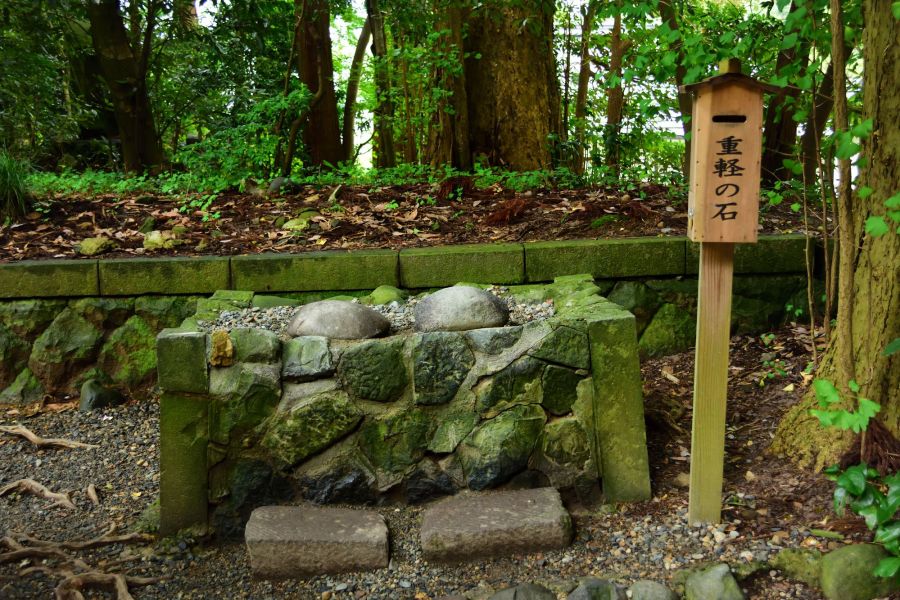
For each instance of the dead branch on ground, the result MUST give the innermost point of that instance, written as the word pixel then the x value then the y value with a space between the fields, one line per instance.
pixel 40 442
pixel 30 486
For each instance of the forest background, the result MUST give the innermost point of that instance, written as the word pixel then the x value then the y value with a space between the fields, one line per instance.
pixel 179 97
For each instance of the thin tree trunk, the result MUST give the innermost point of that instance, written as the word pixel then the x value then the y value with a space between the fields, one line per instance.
pixel 385 155
pixel 615 96
pixel 125 70
pixel 584 78
pixel 353 89
pixel 811 141
pixel 322 134
pixel 448 139
pixel 685 102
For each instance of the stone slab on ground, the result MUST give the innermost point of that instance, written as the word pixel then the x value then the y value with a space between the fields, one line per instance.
pixel 303 541
pixel 483 525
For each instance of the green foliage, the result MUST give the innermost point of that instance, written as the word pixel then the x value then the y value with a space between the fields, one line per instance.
pixel 13 187
pixel 830 415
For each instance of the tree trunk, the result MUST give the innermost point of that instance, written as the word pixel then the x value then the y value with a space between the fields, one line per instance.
pixel 780 129
pixel 512 88
pixel 811 142
pixel 125 70
pixel 352 89
pixel 385 156
pixel 322 136
pixel 449 136
pixel 584 78
pixel 615 96
pixel 872 316
pixel 685 102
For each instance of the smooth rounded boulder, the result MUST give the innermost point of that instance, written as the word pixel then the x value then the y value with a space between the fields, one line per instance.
pixel 460 308
pixel 338 319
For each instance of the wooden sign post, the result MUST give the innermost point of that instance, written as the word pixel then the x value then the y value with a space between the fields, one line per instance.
pixel 723 209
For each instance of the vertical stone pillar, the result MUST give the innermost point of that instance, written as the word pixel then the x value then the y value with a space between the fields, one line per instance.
pixel 619 407
pixel 184 380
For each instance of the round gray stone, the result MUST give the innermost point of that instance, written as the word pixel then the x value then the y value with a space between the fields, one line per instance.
pixel 645 589
pixel 338 319
pixel 460 309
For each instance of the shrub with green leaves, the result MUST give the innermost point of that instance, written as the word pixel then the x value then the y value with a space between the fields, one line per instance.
pixel 13 188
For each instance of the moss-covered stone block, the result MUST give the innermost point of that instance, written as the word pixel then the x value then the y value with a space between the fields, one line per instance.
pixel 310 425
pixel 14 353
pixel 560 389
pixel 619 408
pixel 263 301
pixel 374 370
pixel 161 312
pixel 384 294
pixel 563 453
pixel 25 389
pixel 517 383
pixel 565 346
pixel 181 361
pixel 441 360
pixel 451 430
pixel 672 330
pixel 137 276
pixel 307 357
pixel 445 266
pixel 49 278
pixel 252 344
pixel 848 573
pixel 104 313
pixel 771 254
pixel 29 318
pixel 67 346
pixel 396 441
pixel 628 257
pixel 329 270
pixel 182 462
pixel 236 298
pixel 243 396
pixel 638 299
pixel 500 447
pixel 128 356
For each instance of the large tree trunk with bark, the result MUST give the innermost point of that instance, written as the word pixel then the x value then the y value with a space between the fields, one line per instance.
pixel 124 66
pixel 449 131
pixel 352 88
pixel 512 89
pixel 322 135
pixel 870 318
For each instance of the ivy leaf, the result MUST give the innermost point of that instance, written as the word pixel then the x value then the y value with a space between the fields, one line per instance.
pixel 893 201
pixel 895 8
pixel 876 226
pixel 789 41
pixel 853 480
pixel 862 129
pixel 826 393
pixel 892 348
pixel 864 192
pixel 847 148
pixel 854 387
pixel 888 533
pixel 795 207
pixel 868 408
pixel 889 566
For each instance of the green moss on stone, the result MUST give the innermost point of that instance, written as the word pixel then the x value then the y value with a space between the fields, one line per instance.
pixel 560 389
pixel 499 448
pixel 165 311
pixel 137 276
pixel 384 294
pixel 14 352
pixel 129 354
pixel 243 396
pixel 635 257
pixel 252 344
pixel 564 346
pixel 181 361
pixel 182 462
pixel 66 347
pixel 49 278
pixel 672 330
pixel 395 442
pixel 331 270
pixel 518 383
pixel 29 318
pixel 441 360
pixel 563 452
pixel 374 370
pixel 451 430
pixel 311 425
pixel 25 389
pixel 445 266
pixel 104 313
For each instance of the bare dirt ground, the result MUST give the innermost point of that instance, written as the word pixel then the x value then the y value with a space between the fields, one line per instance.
pixel 354 217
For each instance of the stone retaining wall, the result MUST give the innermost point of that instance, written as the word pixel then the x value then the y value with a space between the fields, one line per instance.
pixel 249 418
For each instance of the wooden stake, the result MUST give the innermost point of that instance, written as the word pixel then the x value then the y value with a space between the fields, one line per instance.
pixel 710 382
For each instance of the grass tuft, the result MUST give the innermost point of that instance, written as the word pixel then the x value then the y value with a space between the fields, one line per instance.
pixel 14 197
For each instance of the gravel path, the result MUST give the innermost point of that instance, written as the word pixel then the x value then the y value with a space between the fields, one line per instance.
pixel 648 540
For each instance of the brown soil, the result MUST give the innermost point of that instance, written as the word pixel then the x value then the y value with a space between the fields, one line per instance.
pixel 353 217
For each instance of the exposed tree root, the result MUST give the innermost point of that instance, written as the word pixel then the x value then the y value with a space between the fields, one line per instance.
pixel 30 486
pixel 40 442
pixel 91 492
pixel 75 574
pixel 882 450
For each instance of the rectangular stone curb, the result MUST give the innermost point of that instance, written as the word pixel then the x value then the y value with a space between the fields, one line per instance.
pixel 473 263
pixel 304 541
pixel 619 409
pixel 49 279
pixel 771 254
pixel 136 276
pixel 312 271
pixel 181 361
pixel 488 524
pixel 629 257
pixel 182 463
